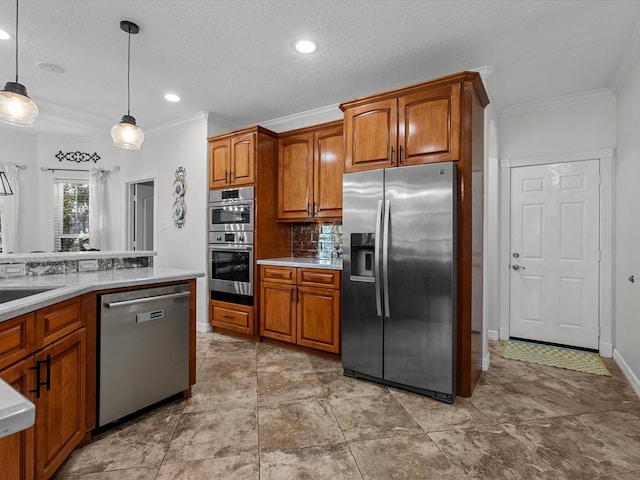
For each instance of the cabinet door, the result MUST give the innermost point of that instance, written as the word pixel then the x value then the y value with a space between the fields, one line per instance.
pixel 16 451
pixel 371 133
pixel 242 159
pixel 295 177
pixel 219 160
pixel 328 164
pixel 278 312
pixel 318 316
pixel 60 410
pixel 429 126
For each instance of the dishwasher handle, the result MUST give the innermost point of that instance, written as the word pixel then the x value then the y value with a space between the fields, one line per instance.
pixel 138 301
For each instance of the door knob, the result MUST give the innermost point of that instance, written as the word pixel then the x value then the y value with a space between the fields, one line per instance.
pixel 517 267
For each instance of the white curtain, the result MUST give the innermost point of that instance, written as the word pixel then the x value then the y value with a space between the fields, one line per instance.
pixel 10 207
pixel 97 234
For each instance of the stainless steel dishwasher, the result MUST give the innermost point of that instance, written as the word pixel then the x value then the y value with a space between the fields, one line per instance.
pixel 143 345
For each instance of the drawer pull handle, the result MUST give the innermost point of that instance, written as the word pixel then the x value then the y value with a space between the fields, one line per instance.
pixel 279 275
pixel 228 316
pixel 316 279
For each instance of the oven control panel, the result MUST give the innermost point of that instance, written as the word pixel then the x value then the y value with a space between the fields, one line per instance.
pixel 237 238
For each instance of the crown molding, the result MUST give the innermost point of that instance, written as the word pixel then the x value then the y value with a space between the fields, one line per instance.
pixel 489 79
pixel 180 122
pixel 629 58
pixel 67 139
pixel 556 102
pixel 304 119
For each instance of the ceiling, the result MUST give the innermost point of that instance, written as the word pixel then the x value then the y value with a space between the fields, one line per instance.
pixel 235 59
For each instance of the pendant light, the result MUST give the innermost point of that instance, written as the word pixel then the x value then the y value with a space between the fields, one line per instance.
pixel 16 108
pixel 127 134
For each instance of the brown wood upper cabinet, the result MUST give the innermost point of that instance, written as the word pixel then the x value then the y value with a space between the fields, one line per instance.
pixel 310 166
pixel 411 126
pixel 231 160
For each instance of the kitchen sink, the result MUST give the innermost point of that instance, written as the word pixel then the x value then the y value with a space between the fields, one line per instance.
pixel 9 294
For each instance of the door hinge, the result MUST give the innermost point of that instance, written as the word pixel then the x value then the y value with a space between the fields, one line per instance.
pixel 599 255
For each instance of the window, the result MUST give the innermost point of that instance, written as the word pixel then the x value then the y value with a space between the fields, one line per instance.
pixel 71 219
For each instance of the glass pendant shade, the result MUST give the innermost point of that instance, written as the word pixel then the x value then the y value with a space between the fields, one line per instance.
pixel 16 107
pixel 127 134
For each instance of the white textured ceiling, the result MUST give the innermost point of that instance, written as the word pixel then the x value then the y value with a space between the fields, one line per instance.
pixel 235 58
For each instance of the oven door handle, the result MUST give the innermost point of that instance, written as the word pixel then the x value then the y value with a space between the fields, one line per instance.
pixel 242 248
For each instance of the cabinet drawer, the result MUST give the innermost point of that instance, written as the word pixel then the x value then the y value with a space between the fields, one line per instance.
pixel 17 339
pixel 232 316
pixel 278 274
pixel 57 320
pixel 319 278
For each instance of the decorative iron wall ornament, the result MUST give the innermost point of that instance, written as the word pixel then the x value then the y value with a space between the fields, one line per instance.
pixel 178 210
pixel 78 157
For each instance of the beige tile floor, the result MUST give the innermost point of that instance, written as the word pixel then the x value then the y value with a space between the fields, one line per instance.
pixel 263 412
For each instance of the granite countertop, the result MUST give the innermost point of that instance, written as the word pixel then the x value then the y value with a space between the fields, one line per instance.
pixel 304 262
pixel 61 256
pixel 70 285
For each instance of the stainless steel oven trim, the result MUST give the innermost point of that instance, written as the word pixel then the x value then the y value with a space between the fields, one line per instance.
pixel 240 288
pixel 232 227
pixel 244 194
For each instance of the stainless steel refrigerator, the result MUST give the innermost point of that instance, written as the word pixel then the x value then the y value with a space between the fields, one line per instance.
pixel 399 279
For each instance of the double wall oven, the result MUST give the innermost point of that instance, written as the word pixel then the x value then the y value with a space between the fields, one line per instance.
pixel 231 261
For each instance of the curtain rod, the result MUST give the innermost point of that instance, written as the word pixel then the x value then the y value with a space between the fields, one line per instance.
pixel 44 169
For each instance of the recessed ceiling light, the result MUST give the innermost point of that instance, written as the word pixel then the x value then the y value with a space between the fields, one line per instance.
pixel 4 35
pixel 51 67
pixel 170 97
pixel 305 46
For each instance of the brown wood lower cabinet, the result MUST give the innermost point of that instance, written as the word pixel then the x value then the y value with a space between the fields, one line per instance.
pixel 53 378
pixel 301 306
pixel 232 316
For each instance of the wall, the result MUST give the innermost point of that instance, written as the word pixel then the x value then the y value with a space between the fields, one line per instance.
pixel 627 230
pixel 46 158
pixel 162 152
pixel 22 150
pixel 35 224
pixel 581 127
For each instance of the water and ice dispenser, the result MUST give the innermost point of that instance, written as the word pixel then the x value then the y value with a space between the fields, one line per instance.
pixel 362 257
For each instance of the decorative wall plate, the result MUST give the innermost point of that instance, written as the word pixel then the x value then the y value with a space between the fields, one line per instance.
pixel 178 188
pixel 178 210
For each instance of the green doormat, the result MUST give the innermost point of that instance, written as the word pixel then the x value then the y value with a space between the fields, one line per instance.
pixel 555 357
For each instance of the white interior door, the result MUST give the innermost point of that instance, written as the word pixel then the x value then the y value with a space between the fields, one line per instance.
pixel 143 216
pixel 555 253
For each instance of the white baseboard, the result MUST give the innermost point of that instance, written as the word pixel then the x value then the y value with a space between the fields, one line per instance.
pixel 606 350
pixel 486 361
pixel 493 335
pixel 203 327
pixel 628 373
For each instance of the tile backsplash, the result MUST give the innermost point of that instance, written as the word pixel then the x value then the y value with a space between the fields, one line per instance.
pixel 317 240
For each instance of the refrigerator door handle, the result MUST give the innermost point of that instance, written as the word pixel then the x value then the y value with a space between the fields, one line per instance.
pixel 385 258
pixel 376 260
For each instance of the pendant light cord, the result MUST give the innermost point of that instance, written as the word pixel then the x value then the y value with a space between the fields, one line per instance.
pixel 129 74
pixel 17 41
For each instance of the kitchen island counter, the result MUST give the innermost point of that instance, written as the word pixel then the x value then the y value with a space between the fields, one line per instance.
pixel 69 285
pixel 303 262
